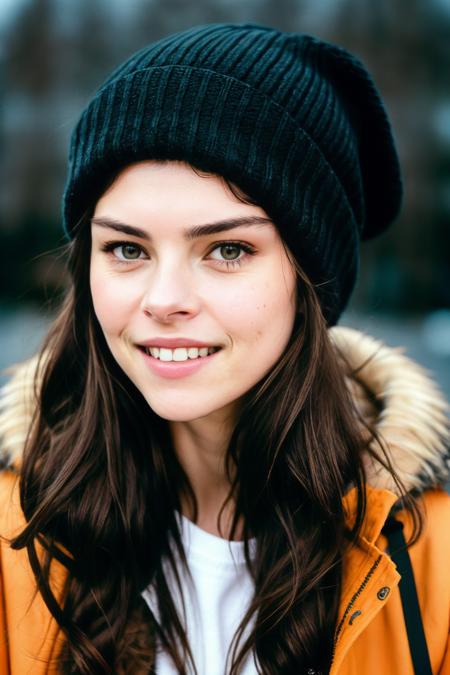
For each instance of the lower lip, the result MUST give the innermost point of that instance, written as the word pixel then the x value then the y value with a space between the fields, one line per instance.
pixel 174 369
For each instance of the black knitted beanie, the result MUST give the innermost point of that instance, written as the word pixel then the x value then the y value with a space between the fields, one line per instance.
pixel 295 122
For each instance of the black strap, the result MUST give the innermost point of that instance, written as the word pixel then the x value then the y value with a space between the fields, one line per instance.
pixel 393 530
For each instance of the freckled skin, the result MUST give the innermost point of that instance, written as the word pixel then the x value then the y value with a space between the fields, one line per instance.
pixel 179 289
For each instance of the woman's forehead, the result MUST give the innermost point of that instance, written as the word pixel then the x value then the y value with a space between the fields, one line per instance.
pixel 167 175
pixel 148 191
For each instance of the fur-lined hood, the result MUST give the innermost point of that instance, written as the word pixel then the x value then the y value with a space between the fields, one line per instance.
pixel 409 412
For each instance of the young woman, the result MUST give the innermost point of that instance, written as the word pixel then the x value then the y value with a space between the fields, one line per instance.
pixel 200 473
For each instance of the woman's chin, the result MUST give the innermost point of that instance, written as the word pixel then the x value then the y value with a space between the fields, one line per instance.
pixel 180 412
pixel 187 410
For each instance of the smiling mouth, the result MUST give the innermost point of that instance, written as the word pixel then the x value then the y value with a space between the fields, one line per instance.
pixel 179 354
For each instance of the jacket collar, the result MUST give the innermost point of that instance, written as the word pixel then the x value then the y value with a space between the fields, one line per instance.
pixel 379 503
pixel 389 390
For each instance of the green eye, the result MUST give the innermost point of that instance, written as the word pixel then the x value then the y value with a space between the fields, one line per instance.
pixel 231 254
pixel 129 252
pixel 230 251
pixel 123 251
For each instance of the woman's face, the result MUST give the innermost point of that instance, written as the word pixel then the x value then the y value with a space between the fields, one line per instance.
pixel 179 269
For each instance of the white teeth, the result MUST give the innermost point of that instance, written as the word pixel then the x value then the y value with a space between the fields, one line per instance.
pixel 165 354
pixel 180 353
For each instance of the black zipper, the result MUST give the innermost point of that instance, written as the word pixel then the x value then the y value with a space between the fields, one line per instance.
pixel 353 599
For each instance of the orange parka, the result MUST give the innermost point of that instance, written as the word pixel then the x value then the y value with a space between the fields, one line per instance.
pixel 371 637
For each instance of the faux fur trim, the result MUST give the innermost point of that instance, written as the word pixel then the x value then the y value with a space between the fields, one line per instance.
pixel 390 391
pixel 409 412
pixel 17 405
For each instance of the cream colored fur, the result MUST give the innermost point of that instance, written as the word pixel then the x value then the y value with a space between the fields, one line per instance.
pixel 409 412
pixel 411 415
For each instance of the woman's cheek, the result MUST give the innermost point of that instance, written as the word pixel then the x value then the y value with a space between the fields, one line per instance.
pixel 258 300
pixel 113 300
pixel 233 303
pixel 244 310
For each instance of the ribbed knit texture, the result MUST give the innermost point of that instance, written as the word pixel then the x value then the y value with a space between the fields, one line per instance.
pixel 295 122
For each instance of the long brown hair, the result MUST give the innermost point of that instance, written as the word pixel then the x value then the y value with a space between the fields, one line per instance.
pixel 101 477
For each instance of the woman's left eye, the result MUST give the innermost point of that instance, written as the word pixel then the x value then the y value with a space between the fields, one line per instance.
pixel 231 253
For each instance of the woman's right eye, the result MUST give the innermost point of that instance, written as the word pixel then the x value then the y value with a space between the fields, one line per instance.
pixel 124 251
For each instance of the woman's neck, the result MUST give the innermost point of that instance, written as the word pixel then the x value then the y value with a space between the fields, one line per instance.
pixel 201 447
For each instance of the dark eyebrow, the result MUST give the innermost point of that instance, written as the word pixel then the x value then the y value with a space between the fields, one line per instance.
pixel 190 233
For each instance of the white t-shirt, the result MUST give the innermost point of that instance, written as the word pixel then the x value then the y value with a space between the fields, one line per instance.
pixel 216 602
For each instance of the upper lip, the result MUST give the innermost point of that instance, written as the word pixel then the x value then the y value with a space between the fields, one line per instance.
pixel 173 343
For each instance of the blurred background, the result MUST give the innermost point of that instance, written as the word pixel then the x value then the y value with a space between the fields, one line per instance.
pixel 54 55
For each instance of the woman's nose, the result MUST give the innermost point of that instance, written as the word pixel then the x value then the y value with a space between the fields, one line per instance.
pixel 170 295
